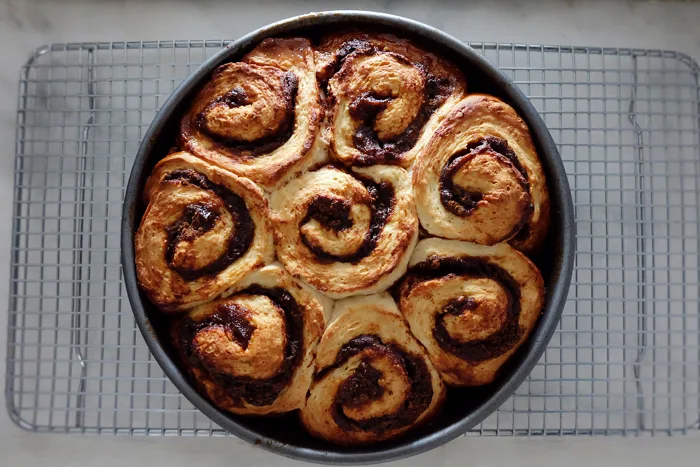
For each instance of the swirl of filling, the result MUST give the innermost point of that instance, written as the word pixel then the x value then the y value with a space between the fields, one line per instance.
pixel 470 305
pixel 260 117
pixel 387 96
pixel 479 178
pixel 373 380
pixel 346 233
pixel 252 352
pixel 202 231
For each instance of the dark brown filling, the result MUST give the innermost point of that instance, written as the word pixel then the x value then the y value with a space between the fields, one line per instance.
pixel 235 320
pixel 237 97
pixel 332 213
pixel 473 267
pixel 335 214
pixel 366 107
pixel 199 218
pixel 459 305
pixel 462 202
pixel 523 232
pixel 459 201
pixel 258 392
pixel 363 387
pixel 351 46
pixel 196 219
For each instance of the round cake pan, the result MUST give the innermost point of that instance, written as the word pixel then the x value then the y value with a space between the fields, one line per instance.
pixel 465 408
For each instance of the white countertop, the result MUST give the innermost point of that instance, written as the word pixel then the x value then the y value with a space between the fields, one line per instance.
pixel 26 25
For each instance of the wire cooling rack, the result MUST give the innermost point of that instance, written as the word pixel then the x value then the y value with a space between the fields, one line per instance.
pixel 626 356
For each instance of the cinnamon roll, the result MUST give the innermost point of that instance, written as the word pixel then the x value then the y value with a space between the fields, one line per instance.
pixel 373 380
pixel 260 117
pixel 202 231
pixel 252 352
pixel 470 305
pixel 387 96
pixel 479 178
pixel 346 232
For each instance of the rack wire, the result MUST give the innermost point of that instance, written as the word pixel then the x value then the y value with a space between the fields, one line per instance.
pixel 624 360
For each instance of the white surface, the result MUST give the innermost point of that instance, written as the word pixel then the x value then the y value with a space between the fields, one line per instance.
pixel 26 25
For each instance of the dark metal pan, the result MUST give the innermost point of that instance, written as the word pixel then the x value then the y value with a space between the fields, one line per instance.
pixel 465 408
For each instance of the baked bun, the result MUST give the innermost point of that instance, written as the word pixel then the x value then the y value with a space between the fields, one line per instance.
pixel 479 178
pixel 260 117
pixel 470 305
pixel 373 379
pixel 386 96
pixel 346 232
pixel 253 352
pixel 204 229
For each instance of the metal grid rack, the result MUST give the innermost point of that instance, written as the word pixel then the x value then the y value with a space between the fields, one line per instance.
pixel 626 356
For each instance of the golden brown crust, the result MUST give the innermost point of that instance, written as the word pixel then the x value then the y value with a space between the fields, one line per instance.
pixel 373 379
pixel 346 233
pixel 470 305
pixel 172 240
pixel 260 117
pixel 262 337
pixel 387 96
pixel 483 154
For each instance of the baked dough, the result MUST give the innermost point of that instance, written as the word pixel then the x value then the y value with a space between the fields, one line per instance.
pixel 204 229
pixel 260 117
pixel 387 96
pixel 253 352
pixel 470 305
pixel 373 379
pixel 346 232
pixel 479 178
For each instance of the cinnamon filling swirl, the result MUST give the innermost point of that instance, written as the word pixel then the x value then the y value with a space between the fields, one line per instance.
pixel 386 94
pixel 346 232
pixel 236 323
pixel 368 106
pixel 199 218
pixel 275 123
pixel 334 214
pixel 462 201
pixel 363 386
pixel 508 331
